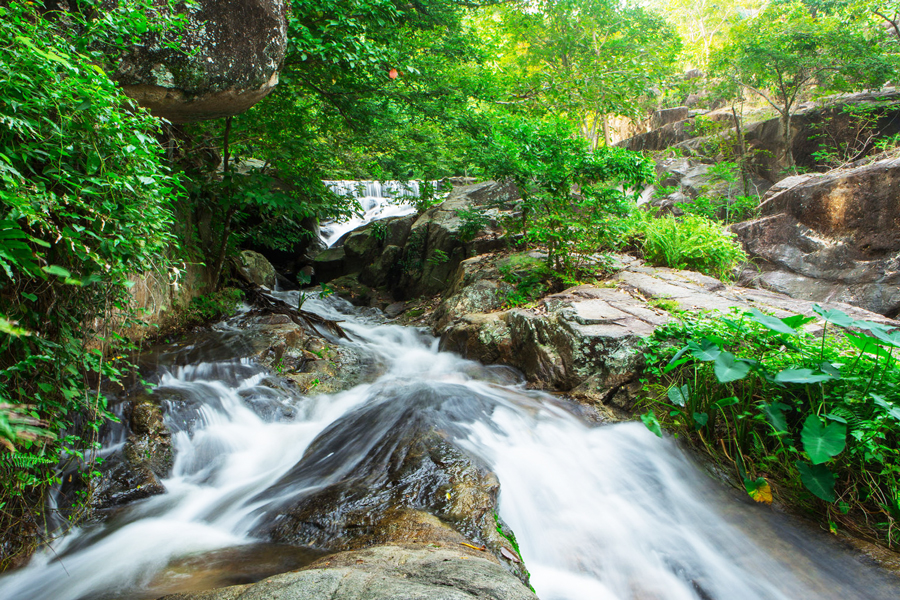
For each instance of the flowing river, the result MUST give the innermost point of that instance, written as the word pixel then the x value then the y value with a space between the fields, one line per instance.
pixel 600 512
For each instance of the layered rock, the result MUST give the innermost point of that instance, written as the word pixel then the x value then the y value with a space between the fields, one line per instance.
pixel 589 340
pixel 831 238
pixel 400 480
pixel 227 61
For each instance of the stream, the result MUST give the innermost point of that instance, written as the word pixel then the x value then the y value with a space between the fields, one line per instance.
pixel 600 511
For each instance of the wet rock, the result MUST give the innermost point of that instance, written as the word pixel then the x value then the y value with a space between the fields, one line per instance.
pixel 395 310
pixel 329 264
pixel 415 255
pixel 255 268
pixel 831 238
pixel 389 572
pixel 477 287
pixel 135 472
pixel 227 61
pixel 397 478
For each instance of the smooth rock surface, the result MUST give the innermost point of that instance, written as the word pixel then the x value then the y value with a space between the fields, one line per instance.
pixel 390 572
pixel 589 339
pixel 831 238
pixel 228 61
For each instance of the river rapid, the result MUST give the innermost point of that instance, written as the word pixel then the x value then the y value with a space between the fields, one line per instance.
pixel 600 511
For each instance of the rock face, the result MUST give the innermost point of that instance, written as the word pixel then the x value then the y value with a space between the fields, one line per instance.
pixel 831 238
pixel 228 61
pixel 406 257
pixel 254 267
pixel 587 340
pixel 811 124
pixel 391 572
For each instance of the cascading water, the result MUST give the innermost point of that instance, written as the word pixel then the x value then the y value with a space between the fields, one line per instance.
pixel 378 199
pixel 600 512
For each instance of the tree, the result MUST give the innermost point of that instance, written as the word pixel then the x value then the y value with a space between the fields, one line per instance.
pixel 703 25
pixel 582 59
pixel 788 49
pixel 572 199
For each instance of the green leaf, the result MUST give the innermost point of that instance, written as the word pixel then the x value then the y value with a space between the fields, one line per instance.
pixel 652 423
pixel 775 415
pixel 889 407
pixel 797 321
pixel 726 402
pixel 729 368
pixel 705 351
pixel 679 395
pixel 866 344
pixel 700 419
pixel 769 322
pixel 834 316
pixel 56 270
pixel 822 442
pixel 802 376
pixel 818 480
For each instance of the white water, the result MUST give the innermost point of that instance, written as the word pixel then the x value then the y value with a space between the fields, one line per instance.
pixel 600 513
pixel 378 199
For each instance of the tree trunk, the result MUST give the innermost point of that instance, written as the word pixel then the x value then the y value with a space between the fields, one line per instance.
pixel 788 140
pixel 226 225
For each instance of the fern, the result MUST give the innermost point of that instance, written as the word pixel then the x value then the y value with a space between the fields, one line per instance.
pixel 26 461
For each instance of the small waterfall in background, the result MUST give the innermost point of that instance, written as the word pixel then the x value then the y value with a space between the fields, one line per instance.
pixel 378 199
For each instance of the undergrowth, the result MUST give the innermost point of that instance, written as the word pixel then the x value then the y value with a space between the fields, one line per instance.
pixel 809 417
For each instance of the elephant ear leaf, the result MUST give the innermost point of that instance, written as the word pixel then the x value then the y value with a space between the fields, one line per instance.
pixel 818 480
pixel 730 368
pixel 822 442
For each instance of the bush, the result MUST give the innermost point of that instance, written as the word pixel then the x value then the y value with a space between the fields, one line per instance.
pixel 84 201
pixel 213 307
pixel 813 417
pixel 573 201
pixel 691 242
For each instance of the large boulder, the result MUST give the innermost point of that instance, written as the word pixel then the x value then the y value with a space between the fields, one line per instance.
pixel 812 124
pixel 397 477
pixel 831 238
pixel 589 340
pixel 227 61
pixel 254 268
pixel 391 572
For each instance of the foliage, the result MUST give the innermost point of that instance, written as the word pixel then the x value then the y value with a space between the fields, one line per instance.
pixel 722 208
pixel 473 221
pixel 578 58
pixel 849 134
pixel 789 47
pixel 212 307
pixel 801 410
pixel 528 274
pixel 547 163
pixel 690 242
pixel 84 202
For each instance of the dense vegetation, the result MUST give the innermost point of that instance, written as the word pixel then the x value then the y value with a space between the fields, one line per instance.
pixel 530 91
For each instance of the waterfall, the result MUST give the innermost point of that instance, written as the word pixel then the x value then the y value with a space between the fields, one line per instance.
pixel 600 512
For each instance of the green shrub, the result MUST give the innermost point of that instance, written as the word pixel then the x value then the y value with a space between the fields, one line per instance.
pixel 473 221
pixel 548 161
pixel 85 201
pixel 813 415
pixel 723 209
pixel 213 307
pixel 691 242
